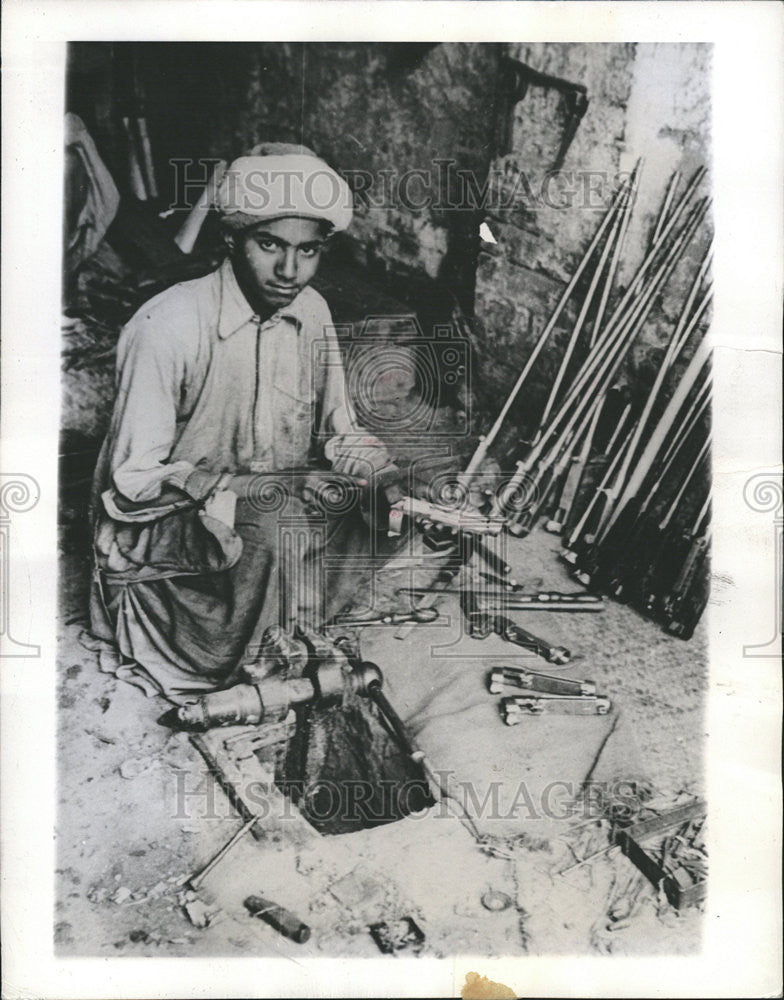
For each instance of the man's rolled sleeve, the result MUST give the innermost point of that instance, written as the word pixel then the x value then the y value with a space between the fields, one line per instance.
pixel 150 372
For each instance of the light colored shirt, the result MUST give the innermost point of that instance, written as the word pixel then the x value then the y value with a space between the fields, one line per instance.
pixel 203 383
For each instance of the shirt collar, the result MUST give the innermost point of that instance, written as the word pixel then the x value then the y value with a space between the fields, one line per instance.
pixel 235 311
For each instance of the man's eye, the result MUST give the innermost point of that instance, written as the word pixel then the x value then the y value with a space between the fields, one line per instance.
pixel 268 246
pixel 309 251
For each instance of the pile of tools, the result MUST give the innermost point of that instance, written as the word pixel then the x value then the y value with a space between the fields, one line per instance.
pixel 640 531
pixel 670 850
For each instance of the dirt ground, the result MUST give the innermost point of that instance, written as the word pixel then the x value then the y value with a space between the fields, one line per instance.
pixel 139 812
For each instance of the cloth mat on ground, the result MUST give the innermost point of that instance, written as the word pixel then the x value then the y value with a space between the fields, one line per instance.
pixel 510 779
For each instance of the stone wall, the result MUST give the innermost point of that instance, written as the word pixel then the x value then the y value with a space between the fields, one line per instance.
pixel 388 117
pixel 649 101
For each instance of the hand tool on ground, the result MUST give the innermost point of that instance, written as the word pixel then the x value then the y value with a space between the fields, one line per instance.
pixel 503 677
pixel 514 708
pixel 481 624
pixel 511 586
pixel 198 877
pixel 414 616
pixel 243 745
pixel 494 562
pixel 278 917
pixel 397 936
pixel 443 578
pixel 513 633
pixel 491 559
pixel 570 603
pixel 543 600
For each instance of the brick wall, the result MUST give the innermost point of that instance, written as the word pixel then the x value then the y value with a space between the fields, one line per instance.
pixel 387 116
pixel 649 101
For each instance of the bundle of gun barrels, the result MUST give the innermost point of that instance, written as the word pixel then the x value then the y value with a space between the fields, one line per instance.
pixel 624 479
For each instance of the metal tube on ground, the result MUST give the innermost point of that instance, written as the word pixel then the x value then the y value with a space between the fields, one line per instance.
pixel 285 922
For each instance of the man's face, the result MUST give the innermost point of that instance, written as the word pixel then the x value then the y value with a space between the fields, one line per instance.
pixel 275 260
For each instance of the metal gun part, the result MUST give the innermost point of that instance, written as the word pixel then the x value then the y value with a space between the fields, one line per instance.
pixel 514 708
pixel 502 677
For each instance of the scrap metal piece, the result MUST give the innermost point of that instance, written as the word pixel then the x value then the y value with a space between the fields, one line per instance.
pixel 399 935
pixel 284 922
pixel 681 879
pixel 496 901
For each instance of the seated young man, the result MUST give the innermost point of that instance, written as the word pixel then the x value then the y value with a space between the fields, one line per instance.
pixel 219 384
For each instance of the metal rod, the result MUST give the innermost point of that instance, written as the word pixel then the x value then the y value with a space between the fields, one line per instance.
pixel 575 474
pixel 600 367
pixel 616 433
pixel 669 356
pixel 669 195
pixel 196 880
pixel 481 451
pixel 612 348
pixel 696 410
pixel 699 360
pixel 578 326
pixel 703 512
pixel 685 484
pixel 599 492
pixel 609 283
pixel 612 364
